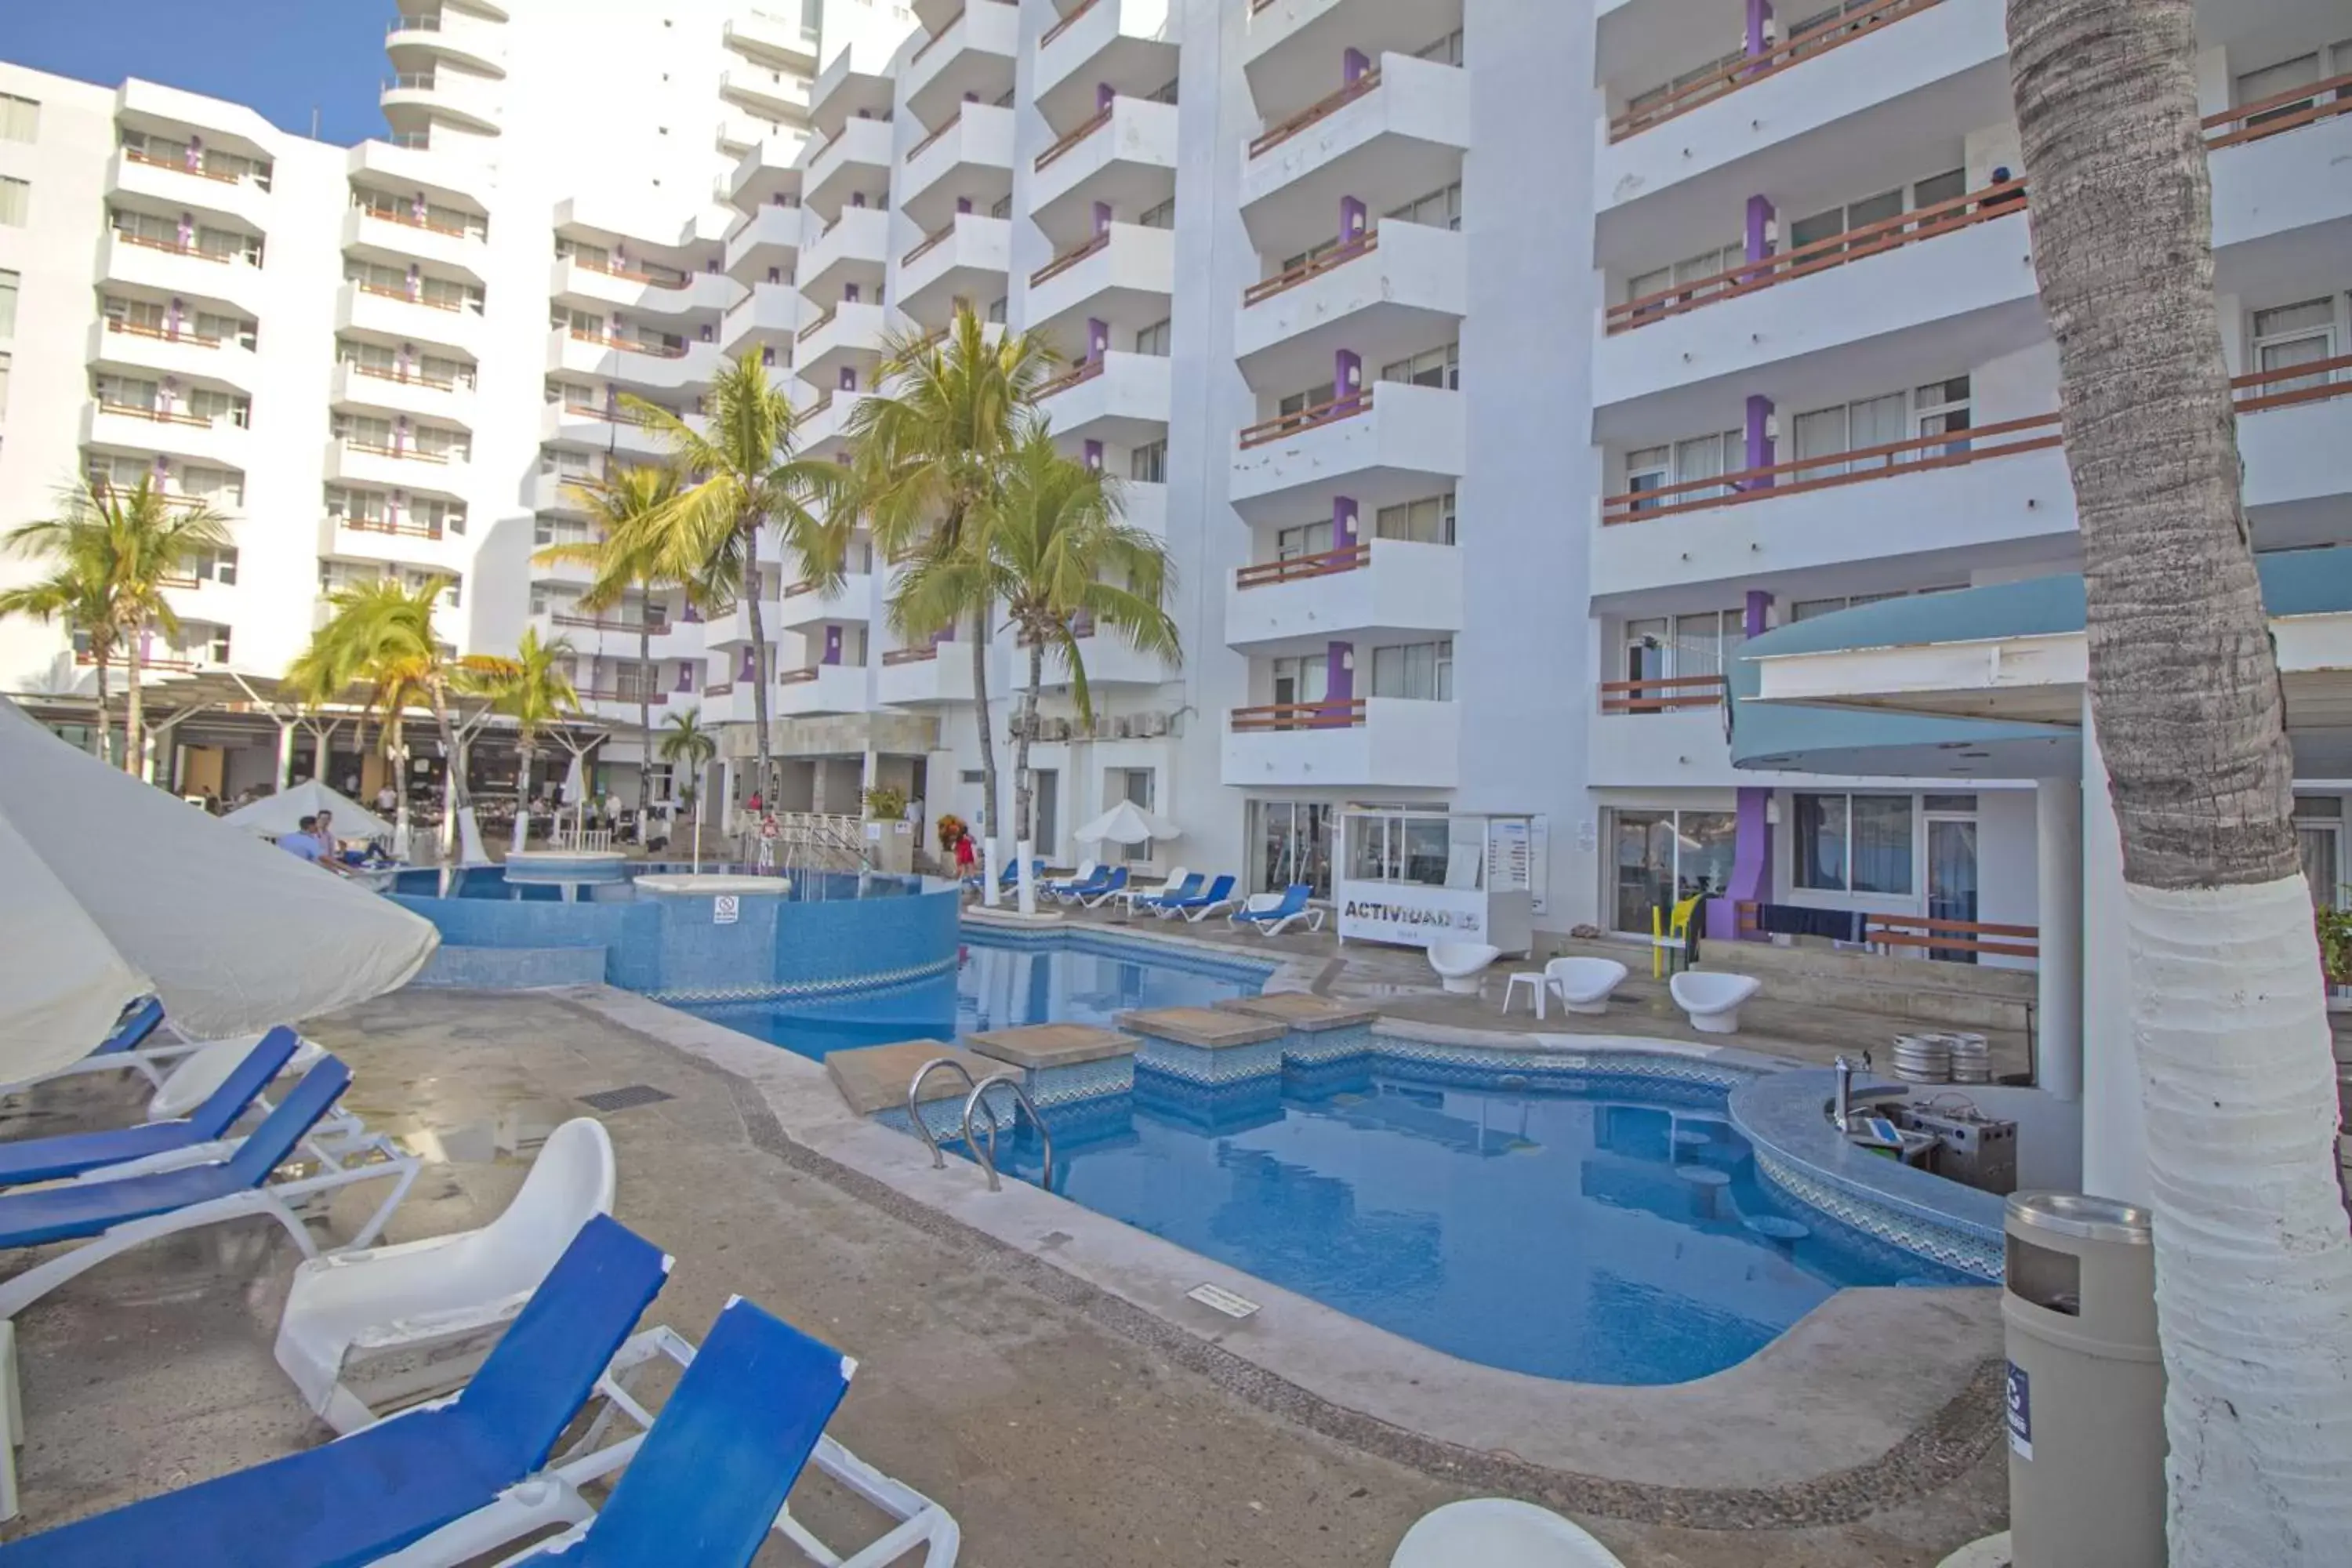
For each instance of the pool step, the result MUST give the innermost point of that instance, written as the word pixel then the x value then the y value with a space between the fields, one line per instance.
pixel 511 968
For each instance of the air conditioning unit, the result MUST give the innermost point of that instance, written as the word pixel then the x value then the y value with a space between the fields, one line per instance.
pixel 1056 730
pixel 1151 726
pixel 1123 727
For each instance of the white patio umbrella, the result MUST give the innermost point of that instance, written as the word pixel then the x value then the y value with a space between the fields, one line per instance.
pixel 1128 823
pixel 114 889
pixel 575 795
pixel 283 813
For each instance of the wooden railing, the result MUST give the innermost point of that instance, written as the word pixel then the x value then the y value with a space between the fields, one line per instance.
pixel 1282 130
pixel 181 580
pixel 1870 239
pixel 1085 372
pixel 611 624
pixel 629 345
pixel 1093 123
pixel 1749 69
pixel 598 411
pixel 2327 378
pixel 179 166
pixel 823 401
pixel 405 378
pixel 718 688
pixel 172 246
pixel 407 218
pixel 614 694
pixel 1345 407
pixel 799 677
pixel 161 334
pixel 659 281
pixel 155 415
pixel 1058 28
pixel 922 655
pixel 819 324
pixel 931 242
pixel 384 291
pixel 928 44
pixel 1940 936
pixel 1661 695
pixel 925 145
pixel 388 525
pixel 1069 259
pixel 1347 558
pixel 2288 111
pixel 1313 267
pixel 411 454
pixel 1332 715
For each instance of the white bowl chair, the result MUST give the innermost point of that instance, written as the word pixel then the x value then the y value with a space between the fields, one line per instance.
pixel 1460 964
pixel 414 1320
pixel 1497 1532
pixel 1583 985
pixel 1712 997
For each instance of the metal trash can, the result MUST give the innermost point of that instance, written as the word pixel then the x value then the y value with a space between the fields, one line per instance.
pixel 2086 1405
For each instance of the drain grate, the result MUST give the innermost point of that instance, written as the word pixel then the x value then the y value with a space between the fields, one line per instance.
pixel 627 1098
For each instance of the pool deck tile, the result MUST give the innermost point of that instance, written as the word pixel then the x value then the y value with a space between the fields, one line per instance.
pixel 875 1078
pixel 1036 1046
pixel 1298 1010
pixel 1205 1028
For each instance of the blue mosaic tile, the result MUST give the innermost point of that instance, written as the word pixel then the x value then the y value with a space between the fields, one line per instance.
pixel 512 969
pixel 1195 1064
pixel 1084 1080
pixel 1955 1249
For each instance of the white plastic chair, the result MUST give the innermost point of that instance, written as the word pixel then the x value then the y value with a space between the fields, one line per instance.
pixel 1498 1532
pixel 416 1319
pixel 1583 985
pixel 1712 997
pixel 1460 964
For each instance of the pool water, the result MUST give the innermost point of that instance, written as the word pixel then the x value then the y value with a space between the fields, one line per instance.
pixel 1598 1235
pixel 998 985
pixel 614 883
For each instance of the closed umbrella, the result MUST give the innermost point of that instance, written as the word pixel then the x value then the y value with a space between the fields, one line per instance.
pixel 111 891
pixel 1128 823
pixel 273 815
pixel 575 795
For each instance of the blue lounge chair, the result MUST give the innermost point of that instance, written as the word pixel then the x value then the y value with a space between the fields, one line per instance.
pixel 1167 900
pixel 49 1159
pixel 131 1032
pixel 1271 915
pixel 124 1049
pixel 1093 883
pixel 396 1483
pixel 1199 906
pixel 116 1208
pixel 1096 898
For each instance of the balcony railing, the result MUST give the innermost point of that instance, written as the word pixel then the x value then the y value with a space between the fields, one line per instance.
pixel 610 624
pixel 630 345
pixel 1870 239
pixel 1346 407
pixel 1314 266
pixel 618 694
pixel 1069 259
pixel 390 525
pixel 819 324
pixel 598 411
pixel 718 688
pixel 1750 69
pixel 799 677
pixel 928 44
pixel 919 148
pixel 1661 695
pixel 1093 123
pixel 922 655
pixel 1064 26
pixel 176 248
pixel 159 416
pixel 1338 714
pixel 161 334
pixel 2288 111
pixel 658 279
pixel 1085 372
pixel 2313 381
pixel 405 378
pixel 931 242
pixel 386 291
pixel 1347 558
pixel 409 454
pixel 1274 135
pixel 406 218
pixel 180 166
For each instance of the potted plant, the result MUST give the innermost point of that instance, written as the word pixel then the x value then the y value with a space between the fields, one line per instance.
pixel 2335 944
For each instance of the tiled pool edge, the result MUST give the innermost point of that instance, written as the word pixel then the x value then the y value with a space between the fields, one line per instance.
pixel 1788 1421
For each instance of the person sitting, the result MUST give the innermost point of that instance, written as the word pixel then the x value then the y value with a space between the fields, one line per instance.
pixel 303 842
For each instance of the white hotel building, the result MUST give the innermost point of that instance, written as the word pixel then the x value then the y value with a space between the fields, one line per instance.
pixel 1493 368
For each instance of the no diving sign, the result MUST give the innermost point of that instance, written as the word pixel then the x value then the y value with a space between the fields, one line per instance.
pixel 725 909
pixel 2020 1413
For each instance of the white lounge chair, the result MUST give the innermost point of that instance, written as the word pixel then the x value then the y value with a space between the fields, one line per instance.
pixel 1583 985
pixel 1460 963
pixel 1712 997
pixel 1499 1532
pixel 1057 886
pixel 413 1321
pixel 1270 914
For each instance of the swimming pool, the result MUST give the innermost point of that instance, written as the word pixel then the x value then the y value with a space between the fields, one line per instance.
pixel 616 883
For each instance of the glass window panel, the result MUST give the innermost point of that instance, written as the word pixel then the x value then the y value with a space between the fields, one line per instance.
pixel 15 198
pixel 1937 189
pixel 1819 856
pixel 1820 434
pixel 1704 843
pixel 1877 422
pixel 1807 231
pixel 20 118
pixel 1882 844
pixel 1874 210
pixel 8 285
pixel 1643 847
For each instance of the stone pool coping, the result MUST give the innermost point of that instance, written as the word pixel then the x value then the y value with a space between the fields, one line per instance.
pixel 1868 1397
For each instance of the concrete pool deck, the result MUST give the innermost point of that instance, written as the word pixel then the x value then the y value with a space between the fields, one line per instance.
pixel 1042 1380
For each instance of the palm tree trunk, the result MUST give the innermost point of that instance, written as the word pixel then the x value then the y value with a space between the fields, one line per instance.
pixel 134 711
pixel 453 797
pixel 1024 790
pixel 2252 1254
pixel 520 836
pixel 761 664
pixel 988 847
pixel 396 745
pixel 645 721
pixel 98 651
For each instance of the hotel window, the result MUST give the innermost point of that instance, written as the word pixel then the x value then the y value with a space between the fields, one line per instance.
pixel 216 566
pixel 1854 844
pixel 1001 207
pixel 8 285
pixel 2284 77
pixel 20 118
pixel 1301 679
pixel 6 361
pixel 1421 672
pixel 1299 402
pixel 1648 468
pixel 1692 461
pixel 2291 335
pixel 15 196
pixel 206 402
pixel 1429 521
pixel 1434 367
pixel 1823 433
pixel 1445 51
pixel 1304 257
pixel 1664 856
pixel 1165 93
pixel 1160 216
pixel 1154 338
pixel 213 486
pixel 1440 209
pixel 1663 648
pixel 996 311
pixel 1939 408
pixel 1306 539
pixel 1148 464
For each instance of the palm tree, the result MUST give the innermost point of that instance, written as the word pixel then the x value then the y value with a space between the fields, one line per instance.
pixel 533 688
pixel 685 743
pixel 624 557
pixel 1062 563
pixel 383 687
pixel 2254 1261
pixel 931 458
pixel 742 478
pixel 113 551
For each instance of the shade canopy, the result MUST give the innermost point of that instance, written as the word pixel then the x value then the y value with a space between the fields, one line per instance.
pixel 111 891
pixel 1128 823
pixel 284 812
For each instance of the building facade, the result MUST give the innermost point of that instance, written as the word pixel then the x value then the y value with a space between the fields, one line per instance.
pixel 1493 370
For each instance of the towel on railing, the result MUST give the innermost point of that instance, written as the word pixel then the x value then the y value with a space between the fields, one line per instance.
pixel 1801 920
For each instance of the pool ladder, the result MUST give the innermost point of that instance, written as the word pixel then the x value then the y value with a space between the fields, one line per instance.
pixel 984 1152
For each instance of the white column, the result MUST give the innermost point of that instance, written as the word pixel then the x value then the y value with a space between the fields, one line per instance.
pixel 285 752
pixel 2058 1012
pixel 2115 1121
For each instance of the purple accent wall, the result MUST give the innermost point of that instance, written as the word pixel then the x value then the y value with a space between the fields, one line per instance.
pixel 1759 219
pixel 848 378
pixel 1751 855
pixel 1097 338
pixel 1094 456
pixel 1102 217
pixel 1103 96
pixel 1340 672
pixel 1353 217
pixel 1759 440
pixel 963 206
pixel 1346 373
pixel 849 293
pixel 685 677
pixel 831 646
pixel 1759 12
pixel 1353 65
pixel 1343 521
pixel 748 669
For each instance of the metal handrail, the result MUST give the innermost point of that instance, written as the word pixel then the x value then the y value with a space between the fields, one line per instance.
pixel 915 1106
pixel 987 1156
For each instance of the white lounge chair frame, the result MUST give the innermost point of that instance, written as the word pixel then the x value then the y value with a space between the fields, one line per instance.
pixel 1312 914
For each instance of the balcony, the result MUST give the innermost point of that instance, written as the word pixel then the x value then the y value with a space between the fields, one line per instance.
pixel 1396 132
pixel 753 31
pixel 635 363
pixel 769 317
pixel 965 259
pixel 1124 155
pixel 396 235
pixel 1124 277
pixel 768 240
pixel 1290 44
pixel 971 57
pixel 859 159
pixel 414 100
pixel 184 187
pixel 160 352
pixel 824 423
pixel 614 430
pixel 821 689
pixel 1389 743
pixel 857 82
pixel 668 292
pixel 848 336
pixel 1120 397
pixel 616 634
pixel 1128 46
pixel 615 701
pixel 803 606
pixel 776 94
pixel 397 540
pixel 416 42
pixel 854 248
pixel 1108 659
pixel 186 271
pixel 559 493
pixel 1145 506
pixel 1384 445
pixel 403 469
pixel 1379 590
pixel 1386 295
pixel 732 628
pixel 1648 734
pixel 393 392
pixel 931 676
pixel 969 157
pixel 216 442
pixel 392 315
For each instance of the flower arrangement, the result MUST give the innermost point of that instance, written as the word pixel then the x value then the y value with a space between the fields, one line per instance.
pixel 951 828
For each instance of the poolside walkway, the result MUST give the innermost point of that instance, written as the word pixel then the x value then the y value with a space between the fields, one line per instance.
pixel 1065 1428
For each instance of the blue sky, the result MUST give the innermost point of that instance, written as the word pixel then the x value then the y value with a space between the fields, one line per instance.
pixel 285 58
